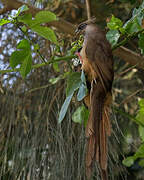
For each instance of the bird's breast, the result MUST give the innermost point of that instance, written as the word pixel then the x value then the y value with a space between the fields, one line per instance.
pixel 87 66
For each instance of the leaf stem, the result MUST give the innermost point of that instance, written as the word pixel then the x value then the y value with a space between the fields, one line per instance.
pixel 25 33
pixel 66 58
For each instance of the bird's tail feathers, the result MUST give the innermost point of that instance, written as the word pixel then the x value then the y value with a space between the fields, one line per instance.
pixel 98 127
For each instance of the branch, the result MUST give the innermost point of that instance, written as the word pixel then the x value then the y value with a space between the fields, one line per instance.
pixel 129 56
pixel 66 27
pixel 66 58
pixel 88 9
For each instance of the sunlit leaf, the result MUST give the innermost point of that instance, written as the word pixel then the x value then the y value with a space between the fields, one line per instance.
pixel 45 32
pixel 114 23
pixel 4 21
pixel 64 108
pixel 45 16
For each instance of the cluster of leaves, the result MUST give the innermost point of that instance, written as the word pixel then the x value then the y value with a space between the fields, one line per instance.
pixel 22 56
pixel 139 155
pixel 76 82
pixel 77 44
pixel 125 31
pixel 133 27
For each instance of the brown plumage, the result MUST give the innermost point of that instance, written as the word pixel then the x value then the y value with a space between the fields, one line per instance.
pixel 97 63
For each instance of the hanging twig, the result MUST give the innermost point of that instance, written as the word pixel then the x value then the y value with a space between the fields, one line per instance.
pixel 88 9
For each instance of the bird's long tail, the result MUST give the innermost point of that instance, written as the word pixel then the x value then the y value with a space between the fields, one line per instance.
pixel 98 127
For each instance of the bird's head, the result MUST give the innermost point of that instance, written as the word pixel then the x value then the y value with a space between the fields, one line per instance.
pixel 82 26
pixel 80 29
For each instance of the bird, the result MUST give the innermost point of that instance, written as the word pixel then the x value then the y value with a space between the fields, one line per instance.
pixel 97 63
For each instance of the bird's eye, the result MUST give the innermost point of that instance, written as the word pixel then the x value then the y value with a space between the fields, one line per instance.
pixel 82 26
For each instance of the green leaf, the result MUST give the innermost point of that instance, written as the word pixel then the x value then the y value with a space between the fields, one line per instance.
pixel 45 32
pixel 64 108
pixel 82 92
pixel 141 162
pixel 140 152
pixel 113 36
pixel 24 28
pixel 73 82
pixel 140 115
pixel 80 115
pixel 24 44
pixel 22 9
pixel 83 77
pixel 4 21
pixel 26 18
pixel 141 104
pixel 83 87
pixel 45 16
pixel 141 41
pixel 138 14
pixel 56 67
pixel 17 57
pixel 141 132
pixel 26 65
pixel 36 47
pixel 133 26
pixel 128 161
pixel 114 23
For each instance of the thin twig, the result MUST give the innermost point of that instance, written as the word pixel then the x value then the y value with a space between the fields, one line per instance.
pixel 124 72
pixel 66 58
pixel 88 9
pixel 131 95
pixel 25 33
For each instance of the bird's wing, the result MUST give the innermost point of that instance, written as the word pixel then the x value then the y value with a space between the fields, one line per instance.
pixel 100 57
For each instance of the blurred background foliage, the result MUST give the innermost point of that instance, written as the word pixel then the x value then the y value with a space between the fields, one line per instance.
pixel 33 145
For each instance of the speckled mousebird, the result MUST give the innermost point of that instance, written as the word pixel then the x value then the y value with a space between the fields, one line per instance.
pixel 97 63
